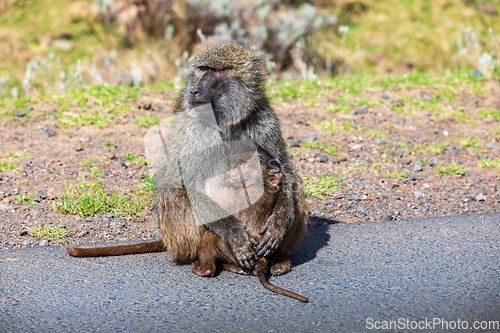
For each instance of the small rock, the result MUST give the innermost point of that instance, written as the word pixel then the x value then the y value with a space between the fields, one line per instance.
pixel 294 143
pixel 492 145
pixel 28 162
pixel 431 163
pixel 27 242
pixel 428 114
pixel 355 147
pixel 21 114
pixel 426 98
pixel 42 195
pixel 288 100
pixel 43 243
pixel 385 96
pixel 88 219
pixel 417 167
pixel 480 197
pixel 353 112
pixel 312 137
pixel 29 108
pixel 83 233
pixel 110 215
pixel 323 158
pixel 417 194
pixel 79 149
pixel 11 243
pixel 329 202
pixel 123 164
pixel 476 72
pixel 412 178
pixel 378 141
pixel 46 132
pixel 335 159
pixel 363 108
pixel 360 212
pixel 23 233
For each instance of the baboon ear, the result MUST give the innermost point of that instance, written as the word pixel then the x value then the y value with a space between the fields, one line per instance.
pixel 275 177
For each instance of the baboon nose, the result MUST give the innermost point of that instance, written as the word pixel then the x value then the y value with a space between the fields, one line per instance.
pixel 195 92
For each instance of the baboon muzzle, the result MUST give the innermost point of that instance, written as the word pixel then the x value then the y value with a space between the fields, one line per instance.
pixel 206 90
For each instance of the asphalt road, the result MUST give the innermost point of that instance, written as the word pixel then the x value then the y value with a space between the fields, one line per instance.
pixel 358 276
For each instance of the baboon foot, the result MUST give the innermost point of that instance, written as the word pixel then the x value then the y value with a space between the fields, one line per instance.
pixel 281 267
pixel 201 269
pixel 279 264
pixel 234 269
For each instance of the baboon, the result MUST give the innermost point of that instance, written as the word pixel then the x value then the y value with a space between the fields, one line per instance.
pixel 248 181
pixel 230 79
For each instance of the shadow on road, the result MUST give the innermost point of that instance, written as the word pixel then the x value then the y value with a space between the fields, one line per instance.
pixel 316 238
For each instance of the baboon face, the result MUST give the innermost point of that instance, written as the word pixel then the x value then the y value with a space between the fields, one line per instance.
pixel 209 86
pixel 225 75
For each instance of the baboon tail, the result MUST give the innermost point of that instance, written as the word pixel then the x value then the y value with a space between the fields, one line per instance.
pixel 116 250
pixel 261 271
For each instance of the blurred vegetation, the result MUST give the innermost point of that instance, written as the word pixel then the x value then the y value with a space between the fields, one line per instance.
pixel 48 47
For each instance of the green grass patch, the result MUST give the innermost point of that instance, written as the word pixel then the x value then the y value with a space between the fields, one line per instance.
pixel 333 126
pixel 16 154
pixel 136 159
pixel 469 142
pixel 149 183
pixel 395 174
pixel 90 198
pixel 462 117
pixel 147 121
pixel 51 232
pixel 335 107
pixel 95 173
pixel 5 165
pixel 292 89
pixel 29 199
pixel 163 86
pixel 87 162
pixel 109 143
pixel 317 187
pixel 377 134
pixel 327 149
pixel 495 114
pixel 131 157
pixel 486 164
pixel 84 119
pixel 451 169
pixel 433 148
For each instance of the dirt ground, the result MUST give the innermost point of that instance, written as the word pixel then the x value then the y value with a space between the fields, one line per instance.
pixel 378 143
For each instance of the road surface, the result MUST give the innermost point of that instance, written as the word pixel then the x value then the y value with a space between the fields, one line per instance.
pixel 359 277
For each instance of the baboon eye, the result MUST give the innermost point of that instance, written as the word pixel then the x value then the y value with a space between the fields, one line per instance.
pixel 211 69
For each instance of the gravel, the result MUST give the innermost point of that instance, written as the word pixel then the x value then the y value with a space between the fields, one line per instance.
pixel 362 165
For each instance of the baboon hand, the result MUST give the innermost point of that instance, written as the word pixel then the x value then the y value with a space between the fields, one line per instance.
pixel 272 235
pixel 243 251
